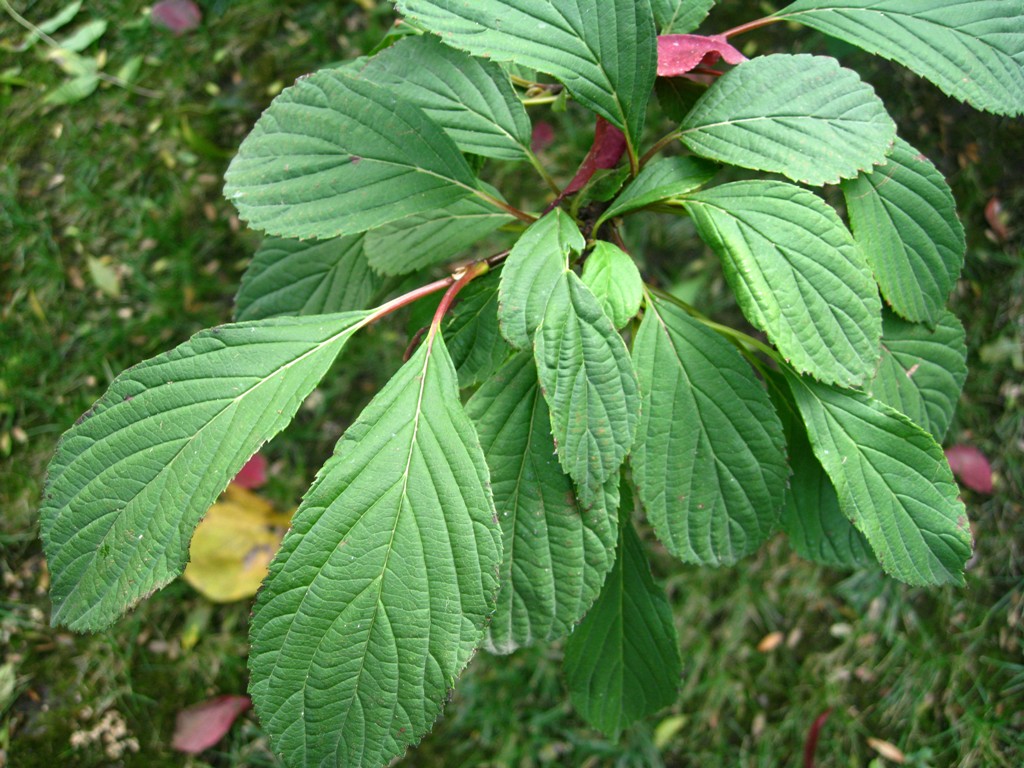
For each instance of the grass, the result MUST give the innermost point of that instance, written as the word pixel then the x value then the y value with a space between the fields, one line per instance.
pixel 124 188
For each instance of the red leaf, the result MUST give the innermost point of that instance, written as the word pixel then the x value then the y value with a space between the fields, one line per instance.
pixel 970 465
pixel 543 136
pixel 201 726
pixel 605 152
pixel 254 473
pixel 811 744
pixel 679 54
pixel 179 16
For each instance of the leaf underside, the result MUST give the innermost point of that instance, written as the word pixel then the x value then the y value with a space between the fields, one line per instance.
pixel 381 589
pixel 131 480
pixel 972 49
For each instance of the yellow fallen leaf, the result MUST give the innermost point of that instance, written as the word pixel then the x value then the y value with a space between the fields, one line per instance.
pixel 233 546
pixel 888 750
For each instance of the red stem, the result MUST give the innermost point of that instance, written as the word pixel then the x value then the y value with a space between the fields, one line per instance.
pixel 408 298
pixel 811 745
pixel 750 26
pixel 471 272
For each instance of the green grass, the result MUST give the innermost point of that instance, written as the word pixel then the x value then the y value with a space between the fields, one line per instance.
pixel 134 182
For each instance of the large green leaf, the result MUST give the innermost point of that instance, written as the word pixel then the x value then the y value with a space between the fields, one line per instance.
pixel 663 180
pixel 306 277
pixel 331 156
pixel 797 274
pixel 472 99
pixel 622 662
pixel 133 477
pixel 903 217
pixel 556 554
pixel 380 591
pixel 972 49
pixel 802 116
pixel 433 237
pixel 604 51
pixel 892 480
pixel 474 340
pixel 676 17
pixel 709 461
pixel 611 275
pixel 811 517
pixel 922 370
pixel 532 270
pixel 590 386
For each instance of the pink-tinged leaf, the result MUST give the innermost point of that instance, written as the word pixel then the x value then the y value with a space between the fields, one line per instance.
pixel 253 474
pixel 679 54
pixel 179 16
pixel 997 218
pixel 201 726
pixel 606 151
pixel 971 467
pixel 543 136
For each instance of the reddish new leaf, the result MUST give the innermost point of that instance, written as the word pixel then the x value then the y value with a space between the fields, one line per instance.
pixel 605 152
pixel 679 54
pixel 971 467
pixel 543 136
pixel 253 474
pixel 179 16
pixel 201 726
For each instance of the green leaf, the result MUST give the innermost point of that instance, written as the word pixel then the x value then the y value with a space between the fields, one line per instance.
pixel 904 218
pixel 892 480
pixel 73 90
pixel 589 384
pixel 472 99
pixel 971 49
pixel 797 274
pixel 622 662
pixel 811 518
pixel 83 36
pixel 677 17
pixel 709 461
pixel 132 478
pixel 433 237
pixel 381 588
pixel 613 278
pixel 557 555
pixel 663 180
pixel 293 277
pixel 474 340
pixel 60 19
pixel 922 370
pixel 604 51
pixel 802 116
pixel 532 270
pixel 331 156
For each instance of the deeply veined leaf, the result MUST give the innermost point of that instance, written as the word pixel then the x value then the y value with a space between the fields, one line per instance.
pixel 662 180
pixel 797 275
pixel 613 278
pixel 892 480
pixel 972 49
pixel 474 340
pixel 331 156
pixel 471 98
pixel 433 237
pixel 306 277
pixel 677 17
pixel 132 478
pixel 532 270
pixel 709 461
pixel 903 217
pixel 604 51
pixel 589 383
pixel 816 527
pixel 922 370
pixel 802 116
pixel 622 662
pixel 556 554
pixel 382 586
